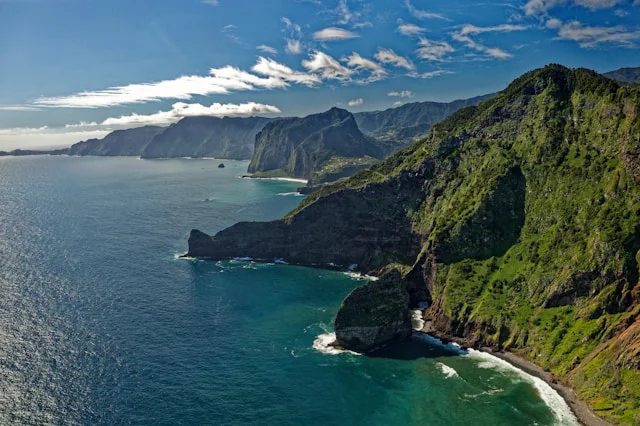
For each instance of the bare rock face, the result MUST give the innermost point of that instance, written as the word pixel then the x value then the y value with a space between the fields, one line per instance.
pixel 374 314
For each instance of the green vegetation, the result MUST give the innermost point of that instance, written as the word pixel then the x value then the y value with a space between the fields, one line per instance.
pixel 531 216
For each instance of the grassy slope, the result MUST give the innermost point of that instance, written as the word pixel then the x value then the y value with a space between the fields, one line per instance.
pixel 566 130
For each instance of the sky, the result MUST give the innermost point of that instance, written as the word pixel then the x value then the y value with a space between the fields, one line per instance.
pixel 76 69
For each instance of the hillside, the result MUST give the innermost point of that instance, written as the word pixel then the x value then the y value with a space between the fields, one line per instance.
pixel 321 147
pixel 406 122
pixel 517 220
pixel 130 142
pixel 625 75
pixel 228 137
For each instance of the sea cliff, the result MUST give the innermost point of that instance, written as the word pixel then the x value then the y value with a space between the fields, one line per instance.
pixel 518 220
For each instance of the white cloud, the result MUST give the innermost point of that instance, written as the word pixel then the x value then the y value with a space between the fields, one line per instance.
pixel 422 14
pixel 293 47
pixel 432 50
pixel 219 81
pixel 184 88
pixel 430 74
pixel 334 34
pixel 401 94
pixel 410 29
pixel 553 23
pixel 469 29
pixel 591 37
pixel 377 72
pixel 271 68
pixel 355 102
pixel 397 103
pixel 211 2
pixel 388 56
pixel 181 110
pixel 463 36
pixel 327 67
pixel 267 49
pixel 294 35
pixel 540 7
pixel 23 108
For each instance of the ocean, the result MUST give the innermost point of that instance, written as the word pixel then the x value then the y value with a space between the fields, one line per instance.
pixel 101 322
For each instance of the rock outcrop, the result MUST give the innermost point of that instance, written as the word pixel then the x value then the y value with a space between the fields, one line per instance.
pixel 518 219
pixel 302 147
pixel 374 314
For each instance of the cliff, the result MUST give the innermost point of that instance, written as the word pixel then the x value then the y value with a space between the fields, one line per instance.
pixel 130 142
pixel 518 220
pixel 228 137
pixel 313 146
pixel 406 122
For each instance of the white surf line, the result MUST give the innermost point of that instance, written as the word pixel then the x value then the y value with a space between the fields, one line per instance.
pixel 556 403
pixel 284 179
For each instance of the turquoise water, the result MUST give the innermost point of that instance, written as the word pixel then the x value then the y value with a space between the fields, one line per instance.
pixel 100 323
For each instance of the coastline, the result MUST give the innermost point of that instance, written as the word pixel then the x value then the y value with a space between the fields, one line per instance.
pixel 285 179
pixel 580 409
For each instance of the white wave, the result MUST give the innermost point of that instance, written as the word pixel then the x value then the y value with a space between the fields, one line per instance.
pixel 449 372
pixel 242 259
pixel 288 194
pixel 358 276
pixel 326 344
pixel 280 261
pixel 551 398
pixel 451 346
pixel 417 323
pixel 285 179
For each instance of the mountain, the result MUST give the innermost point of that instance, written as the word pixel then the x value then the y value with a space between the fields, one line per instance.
pixel 320 146
pixel 517 220
pixel 130 142
pixel 409 121
pixel 625 75
pixel 228 137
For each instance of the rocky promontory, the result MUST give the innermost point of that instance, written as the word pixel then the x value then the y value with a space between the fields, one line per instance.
pixel 374 314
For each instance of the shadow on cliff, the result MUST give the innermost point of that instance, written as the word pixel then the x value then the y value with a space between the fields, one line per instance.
pixel 414 348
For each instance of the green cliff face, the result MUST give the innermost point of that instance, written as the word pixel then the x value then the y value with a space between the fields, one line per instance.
pixel 315 147
pixel 228 137
pixel 519 220
pixel 130 142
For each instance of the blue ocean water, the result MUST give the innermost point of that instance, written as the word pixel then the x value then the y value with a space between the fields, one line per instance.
pixel 100 323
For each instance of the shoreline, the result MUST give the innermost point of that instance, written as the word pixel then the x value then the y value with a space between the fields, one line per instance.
pixel 284 179
pixel 580 409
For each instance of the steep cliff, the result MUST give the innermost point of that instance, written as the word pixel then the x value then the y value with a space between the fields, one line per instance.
pixel 228 137
pixel 302 147
pixel 519 220
pixel 130 142
pixel 406 122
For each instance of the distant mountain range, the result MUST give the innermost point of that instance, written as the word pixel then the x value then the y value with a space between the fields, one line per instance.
pixel 625 75
pixel 406 122
pixel 321 147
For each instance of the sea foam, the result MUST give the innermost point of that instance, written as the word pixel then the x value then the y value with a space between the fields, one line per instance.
pixel 326 344
pixel 449 372
pixel 552 399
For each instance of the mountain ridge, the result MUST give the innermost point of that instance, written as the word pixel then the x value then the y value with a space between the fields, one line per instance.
pixel 518 221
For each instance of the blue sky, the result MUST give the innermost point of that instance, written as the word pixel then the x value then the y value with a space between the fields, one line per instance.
pixel 73 69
